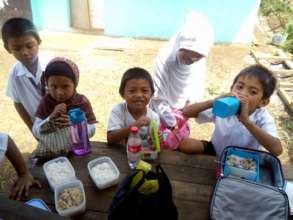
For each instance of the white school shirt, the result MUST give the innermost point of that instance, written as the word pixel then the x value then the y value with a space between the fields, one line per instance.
pixel 3 145
pixel 25 88
pixel 121 118
pixel 231 132
pixel 176 83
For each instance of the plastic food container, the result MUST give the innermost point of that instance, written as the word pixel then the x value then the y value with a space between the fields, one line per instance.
pixel 59 171
pixel 242 164
pixel 103 172
pixel 38 203
pixel 63 189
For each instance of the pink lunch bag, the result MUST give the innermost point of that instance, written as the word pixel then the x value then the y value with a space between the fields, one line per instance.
pixel 171 139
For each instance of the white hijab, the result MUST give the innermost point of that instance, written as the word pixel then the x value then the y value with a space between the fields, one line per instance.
pixel 177 83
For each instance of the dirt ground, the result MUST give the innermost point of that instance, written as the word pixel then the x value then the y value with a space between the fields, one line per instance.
pixel 102 60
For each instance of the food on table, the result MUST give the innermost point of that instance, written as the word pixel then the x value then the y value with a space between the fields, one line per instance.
pixel 70 197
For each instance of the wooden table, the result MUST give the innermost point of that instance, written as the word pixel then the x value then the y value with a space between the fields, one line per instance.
pixel 192 178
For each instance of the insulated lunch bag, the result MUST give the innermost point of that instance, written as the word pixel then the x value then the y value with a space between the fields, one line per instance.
pixel 251 186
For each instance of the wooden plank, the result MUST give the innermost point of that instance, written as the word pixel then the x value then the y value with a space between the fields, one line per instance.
pixel 283 73
pixel 288 62
pixel 286 99
pixel 286 85
pixel 192 210
pixel 191 192
pixel 266 56
pixel 92 215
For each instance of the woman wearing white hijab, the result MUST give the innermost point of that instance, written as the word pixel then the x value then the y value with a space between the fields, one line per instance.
pixel 180 68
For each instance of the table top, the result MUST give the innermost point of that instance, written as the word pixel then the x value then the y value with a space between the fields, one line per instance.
pixel 192 178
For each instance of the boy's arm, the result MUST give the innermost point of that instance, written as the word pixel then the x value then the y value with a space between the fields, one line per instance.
pixel 194 109
pixel 25 179
pixel 117 136
pixel 272 144
pixel 24 115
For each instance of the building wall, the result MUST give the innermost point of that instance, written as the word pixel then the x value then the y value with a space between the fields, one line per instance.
pixel 233 20
pixel 51 14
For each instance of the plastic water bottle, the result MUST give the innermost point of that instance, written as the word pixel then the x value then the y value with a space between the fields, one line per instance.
pixel 134 150
pixel 143 133
pixel 79 132
pixel 225 107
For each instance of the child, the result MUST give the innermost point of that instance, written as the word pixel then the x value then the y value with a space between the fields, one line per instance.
pixel 25 179
pixel 180 68
pixel 61 76
pixel 21 39
pixel 136 88
pixel 251 128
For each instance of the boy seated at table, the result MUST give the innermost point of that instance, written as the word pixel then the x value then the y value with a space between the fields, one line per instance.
pixel 25 179
pixel 253 127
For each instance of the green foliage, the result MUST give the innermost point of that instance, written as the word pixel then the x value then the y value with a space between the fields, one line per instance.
pixel 288 45
pixel 283 10
pixel 280 7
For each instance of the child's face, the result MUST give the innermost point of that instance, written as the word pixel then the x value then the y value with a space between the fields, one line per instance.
pixel 25 49
pixel 137 94
pixel 61 88
pixel 188 57
pixel 251 88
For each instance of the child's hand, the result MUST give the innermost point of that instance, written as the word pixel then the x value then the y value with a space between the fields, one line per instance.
pixel 22 185
pixel 142 121
pixel 58 110
pixel 62 121
pixel 243 116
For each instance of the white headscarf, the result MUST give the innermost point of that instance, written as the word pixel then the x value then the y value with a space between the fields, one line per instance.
pixel 176 83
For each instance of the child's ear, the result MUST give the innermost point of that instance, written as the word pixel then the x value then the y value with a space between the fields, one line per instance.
pixel 264 102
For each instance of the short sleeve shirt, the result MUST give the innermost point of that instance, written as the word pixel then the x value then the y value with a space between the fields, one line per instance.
pixel 231 132
pixel 121 118
pixel 25 88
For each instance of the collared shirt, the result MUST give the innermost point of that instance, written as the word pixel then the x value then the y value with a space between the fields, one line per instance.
pixel 121 118
pixel 3 145
pixel 25 88
pixel 231 132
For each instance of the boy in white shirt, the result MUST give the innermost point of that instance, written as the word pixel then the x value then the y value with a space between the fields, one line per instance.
pixel 21 39
pixel 136 88
pixel 252 127
pixel 25 179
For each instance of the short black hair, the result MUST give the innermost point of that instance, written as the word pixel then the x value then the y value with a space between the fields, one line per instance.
pixel 18 27
pixel 135 73
pixel 264 75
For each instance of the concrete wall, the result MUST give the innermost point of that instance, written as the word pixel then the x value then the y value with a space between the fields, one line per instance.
pixel 233 20
pixel 51 14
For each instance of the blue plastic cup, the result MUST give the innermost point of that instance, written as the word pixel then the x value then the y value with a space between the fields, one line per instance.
pixel 225 107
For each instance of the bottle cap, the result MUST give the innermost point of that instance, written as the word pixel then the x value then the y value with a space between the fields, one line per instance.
pixel 134 129
pixel 76 115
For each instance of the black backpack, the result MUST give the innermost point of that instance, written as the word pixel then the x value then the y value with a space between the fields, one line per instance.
pixel 128 203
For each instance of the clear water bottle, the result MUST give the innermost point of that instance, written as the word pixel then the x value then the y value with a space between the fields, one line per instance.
pixel 79 132
pixel 134 151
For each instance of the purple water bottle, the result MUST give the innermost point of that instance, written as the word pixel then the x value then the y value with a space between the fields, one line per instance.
pixel 79 132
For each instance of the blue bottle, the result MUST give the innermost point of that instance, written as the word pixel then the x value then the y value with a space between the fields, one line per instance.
pixel 79 132
pixel 225 107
